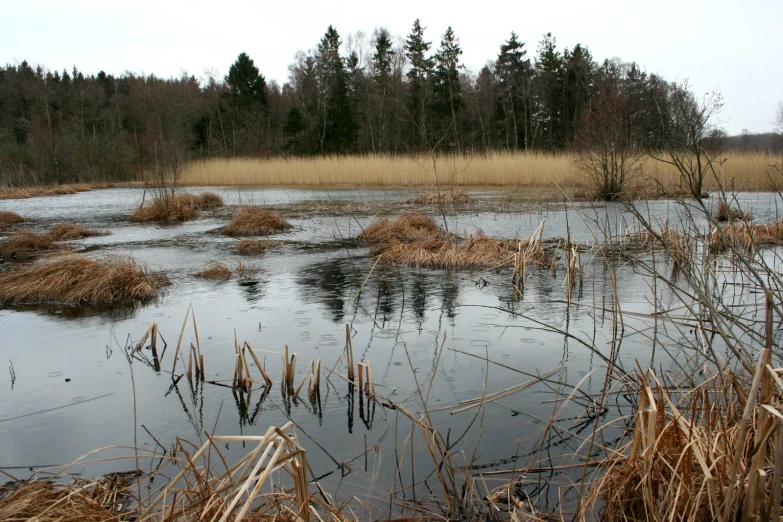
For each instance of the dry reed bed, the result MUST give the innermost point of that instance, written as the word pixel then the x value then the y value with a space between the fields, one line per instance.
pixel 78 280
pixel 176 207
pixel 744 171
pixel 448 196
pixel 256 246
pixel 10 218
pixel 58 190
pixel 250 221
pixel 25 244
pixel 745 236
pixel 409 226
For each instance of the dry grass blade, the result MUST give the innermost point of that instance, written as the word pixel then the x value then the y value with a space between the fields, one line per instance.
pixel 214 270
pixel 456 196
pixel 255 246
pixel 10 218
pixel 27 243
pixel 410 226
pixel 251 221
pixel 66 231
pixel 77 280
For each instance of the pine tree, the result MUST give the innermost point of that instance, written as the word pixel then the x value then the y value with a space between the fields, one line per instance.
pixel 419 81
pixel 448 102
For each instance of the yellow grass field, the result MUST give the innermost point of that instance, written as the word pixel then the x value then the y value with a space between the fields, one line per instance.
pixel 746 171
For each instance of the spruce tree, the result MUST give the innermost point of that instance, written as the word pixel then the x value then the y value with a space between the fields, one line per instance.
pixel 419 81
pixel 247 87
pixel 448 102
pixel 513 76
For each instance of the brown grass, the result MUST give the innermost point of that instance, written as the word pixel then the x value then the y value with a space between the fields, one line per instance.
pixel 24 244
pixel 477 251
pixel 691 449
pixel 744 171
pixel 448 196
pixel 255 246
pixel 66 231
pixel 48 501
pixel 214 270
pixel 57 190
pixel 745 236
pixel 77 280
pixel 10 218
pixel 209 201
pixel 180 207
pixel 250 221
pixel 726 213
pixel 410 226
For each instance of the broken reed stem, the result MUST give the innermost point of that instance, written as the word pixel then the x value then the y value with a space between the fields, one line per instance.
pixel 349 350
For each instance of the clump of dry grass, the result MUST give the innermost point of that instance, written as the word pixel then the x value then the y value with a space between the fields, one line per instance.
pixel 410 226
pixel 10 218
pixel 24 244
pixel 49 501
pixel 57 190
pixel 744 236
pixel 214 270
pixel 250 221
pixel 727 213
pixel 449 196
pixel 255 246
pixel 477 251
pixel 78 280
pixel 209 201
pixel 673 241
pixel 179 207
pixel 66 231
pixel 691 451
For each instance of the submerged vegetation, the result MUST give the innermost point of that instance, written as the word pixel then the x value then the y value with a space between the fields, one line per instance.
pixel 79 280
pixel 255 246
pixel 251 221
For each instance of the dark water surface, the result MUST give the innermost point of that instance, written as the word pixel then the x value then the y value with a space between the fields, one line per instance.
pixel 71 362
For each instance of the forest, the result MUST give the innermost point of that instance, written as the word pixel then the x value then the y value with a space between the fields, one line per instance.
pixel 364 94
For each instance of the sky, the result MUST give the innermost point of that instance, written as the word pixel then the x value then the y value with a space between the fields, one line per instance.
pixel 729 46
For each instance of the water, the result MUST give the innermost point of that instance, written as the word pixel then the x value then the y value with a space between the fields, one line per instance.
pixel 74 387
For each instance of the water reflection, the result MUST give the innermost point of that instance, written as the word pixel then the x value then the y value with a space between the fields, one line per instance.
pixel 329 284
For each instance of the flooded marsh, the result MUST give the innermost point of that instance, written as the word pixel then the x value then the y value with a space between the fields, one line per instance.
pixel 514 377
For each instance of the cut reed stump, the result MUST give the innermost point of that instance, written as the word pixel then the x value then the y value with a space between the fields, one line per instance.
pixel 66 231
pixel 79 280
pixel 10 218
pixel 250 221
pixel 410 226
pixel 25 244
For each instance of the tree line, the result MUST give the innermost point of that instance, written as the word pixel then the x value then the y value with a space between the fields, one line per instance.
pixel 364 94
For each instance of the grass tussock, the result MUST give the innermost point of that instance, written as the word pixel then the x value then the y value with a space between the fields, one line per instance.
pixel 214 270
pixel 57 190
pixel 78 280
pixel 66 231
pixel 179 207
pixel 10 218
pixel 744 236
pixel 726 213
pixel 477 251
pixel 744 170
pixel 250 221
pixel 690 450
pixel 25 244
pixel 449 196
pixel 209 201
pixel 256 246
pixel 410 226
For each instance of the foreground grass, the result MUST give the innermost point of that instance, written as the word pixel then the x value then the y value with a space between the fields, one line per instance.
pixel 744 171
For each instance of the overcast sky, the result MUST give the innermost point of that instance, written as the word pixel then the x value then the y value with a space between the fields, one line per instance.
pixel 732 46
